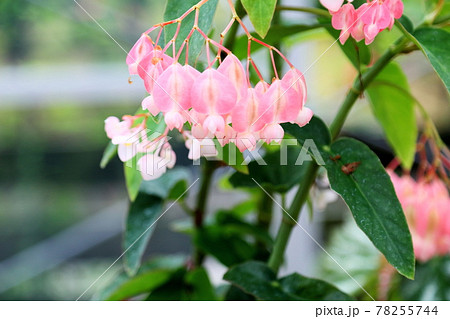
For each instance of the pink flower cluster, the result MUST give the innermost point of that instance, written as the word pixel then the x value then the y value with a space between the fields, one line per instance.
pixel 216 104
pixel 364 22
pixel 427 209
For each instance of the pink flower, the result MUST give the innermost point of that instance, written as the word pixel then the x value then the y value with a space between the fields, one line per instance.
pixel 247 141
pixel 213 94
pixel 358 28
pixel 376 18
pixel 365 22
pixel 396 10
pixel 119 131
pixel 152 66
pixel 172 95
pixel 232 68
pixel 294 79
pixel 141 48
pixel 149 104
pixel 427 209
pixel 332 5
pixel 344 20
pixel 273 132
pixel 248 111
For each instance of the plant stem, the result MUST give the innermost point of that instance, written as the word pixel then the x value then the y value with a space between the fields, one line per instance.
pixel 208 168
pixel 359 86
pixel 264 219
pixel 316 11
pixel 290 219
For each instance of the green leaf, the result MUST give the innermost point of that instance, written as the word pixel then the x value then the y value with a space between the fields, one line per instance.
pixel 258 280
pixel 141 284
pixel 229 249
pixel 172 290
pixel 143 214
pixel 316 130
pixel 311 289
pixel 200 285
pixel 165 185
pixel 230 155
pixel 287 164
pixel 120 288
pixel 274 173
pixel 435 44
pixel 275 35
pixel 185 285
pixel 431 282
pixel 370 195
pixel 260 14
pixel 357 52
pixel 174 10
pixel 133 178
pixel 108 154
pixel 407 23
pixel 393 107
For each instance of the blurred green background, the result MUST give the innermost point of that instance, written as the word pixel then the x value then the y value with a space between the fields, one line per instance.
pixel 61 75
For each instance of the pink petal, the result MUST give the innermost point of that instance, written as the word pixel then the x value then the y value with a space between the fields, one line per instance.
pixel 141 48
pixel 213 93
pixel 332 5
pixel 173 91
pixel 149 104
pixel 232 68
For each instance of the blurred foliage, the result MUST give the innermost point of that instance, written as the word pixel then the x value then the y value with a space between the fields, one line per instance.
pixel 57 31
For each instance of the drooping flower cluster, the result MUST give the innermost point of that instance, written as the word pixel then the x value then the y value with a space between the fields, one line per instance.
pixel 364 22
pixel 427 208
pixel 218 105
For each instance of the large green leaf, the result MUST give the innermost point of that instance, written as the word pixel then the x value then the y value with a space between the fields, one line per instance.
pixel 258 280
pixel 435 44
pixel 370 195
pixel 143 214
pixel 174 10
pixel 394 109
pixel 260 14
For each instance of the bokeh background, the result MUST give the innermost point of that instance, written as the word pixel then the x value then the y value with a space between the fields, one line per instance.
pixel 61 75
